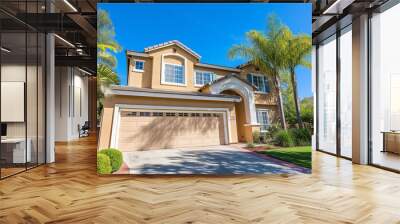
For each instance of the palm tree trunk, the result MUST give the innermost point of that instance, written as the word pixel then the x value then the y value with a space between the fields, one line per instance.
pixel 296 99
pixel 280 101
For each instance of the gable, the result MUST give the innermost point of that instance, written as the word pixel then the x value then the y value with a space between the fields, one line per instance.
pixel 171 44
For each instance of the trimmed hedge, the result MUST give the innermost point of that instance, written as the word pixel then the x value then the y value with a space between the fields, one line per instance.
pixel 115 158
pixel 103 164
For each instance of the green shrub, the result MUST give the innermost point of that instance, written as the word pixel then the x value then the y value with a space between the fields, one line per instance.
pixel 283 138
pixel 300 136
pixel 103 164
pixel 115 158
pixel 256 137
pixel 250 145
pixel 271 132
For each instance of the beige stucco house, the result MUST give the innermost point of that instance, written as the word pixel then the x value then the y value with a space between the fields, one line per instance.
pixel 174 100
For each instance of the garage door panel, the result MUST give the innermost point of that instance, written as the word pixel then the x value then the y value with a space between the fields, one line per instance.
pixel 176 130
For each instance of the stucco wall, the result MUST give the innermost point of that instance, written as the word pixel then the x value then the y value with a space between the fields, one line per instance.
pixel 261 98
pixel 272 112
pixel 140 79
pixel 151 77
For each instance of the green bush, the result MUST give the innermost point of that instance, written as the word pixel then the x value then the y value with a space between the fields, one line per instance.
pixel 103 164
pixel 250 145
pixel 300 136
pixel 115 157
pixel 283 138
pixel 256 137
pixel 271 132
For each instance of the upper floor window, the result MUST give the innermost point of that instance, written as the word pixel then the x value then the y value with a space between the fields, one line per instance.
pixel 260 81
pixel 203 78
pixel 263 119
pixel 139 66
pixel 174 74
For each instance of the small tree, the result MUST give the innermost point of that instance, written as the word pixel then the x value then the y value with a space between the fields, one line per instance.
pixel 298 51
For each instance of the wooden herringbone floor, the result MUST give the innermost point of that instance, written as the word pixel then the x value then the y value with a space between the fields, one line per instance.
pixel 70 191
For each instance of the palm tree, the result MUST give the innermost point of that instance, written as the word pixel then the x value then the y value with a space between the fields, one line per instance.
pixel 298 50
pixel 106 43
pixel 106 60
pixel 105 78
pixel 267 52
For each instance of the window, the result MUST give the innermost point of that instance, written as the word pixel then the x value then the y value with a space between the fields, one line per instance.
pixel 170 114
pixel 345 93
pixel 203 78
pixel 195 114
pixel 183 114
pixel 262 118
pixel 158 114
pixel 139 66
pixel 144 114
pixel 327 95
pixel 385 89
pixel 174 74
pixel 260 81
pixel 131 114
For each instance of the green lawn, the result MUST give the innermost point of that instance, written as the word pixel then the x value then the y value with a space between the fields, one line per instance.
pixel 298 155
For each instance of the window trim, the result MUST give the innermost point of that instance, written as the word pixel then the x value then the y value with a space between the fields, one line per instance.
pixel 163 63
pixel 268 118
pixel 267 81
pixel 173 83
pixel 202 71
pixel 134 65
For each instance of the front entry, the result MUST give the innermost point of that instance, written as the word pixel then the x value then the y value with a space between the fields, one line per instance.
pixel 240 113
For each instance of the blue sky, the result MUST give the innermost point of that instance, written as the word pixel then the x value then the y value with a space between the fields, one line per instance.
pixel 208 29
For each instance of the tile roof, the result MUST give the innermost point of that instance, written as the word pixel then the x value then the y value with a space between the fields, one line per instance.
pixel 172 42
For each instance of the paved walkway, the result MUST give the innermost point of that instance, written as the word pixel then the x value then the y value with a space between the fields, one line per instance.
pixel 217 160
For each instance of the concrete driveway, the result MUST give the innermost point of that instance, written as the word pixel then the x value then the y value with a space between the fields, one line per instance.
pixel 217 160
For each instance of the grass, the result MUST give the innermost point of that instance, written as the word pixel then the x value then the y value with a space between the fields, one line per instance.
pixel 297 155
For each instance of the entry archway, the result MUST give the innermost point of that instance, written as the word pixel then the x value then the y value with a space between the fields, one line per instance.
pixel 244 89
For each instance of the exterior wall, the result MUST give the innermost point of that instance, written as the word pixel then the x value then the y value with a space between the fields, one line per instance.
pixel 261 98
pixel 151 77
pixel 157 68
pixel 110 101
pixel 218 72
pixel 140 79
pixel 272 112
pixel 241 121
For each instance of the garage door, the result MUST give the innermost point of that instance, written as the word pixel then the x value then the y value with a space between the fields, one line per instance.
pixel 144 130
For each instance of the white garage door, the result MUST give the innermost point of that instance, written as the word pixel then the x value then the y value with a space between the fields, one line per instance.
pixel 146 129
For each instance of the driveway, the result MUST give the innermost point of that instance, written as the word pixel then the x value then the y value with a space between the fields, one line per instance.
pixel 217 160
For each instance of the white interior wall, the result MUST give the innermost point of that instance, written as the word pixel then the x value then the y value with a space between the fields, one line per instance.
pixel 71 94
pixel 12 73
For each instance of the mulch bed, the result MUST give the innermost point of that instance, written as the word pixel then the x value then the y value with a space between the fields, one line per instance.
pixel 259 148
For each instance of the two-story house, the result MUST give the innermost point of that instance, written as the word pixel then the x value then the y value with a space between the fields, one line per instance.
pixel 174 100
